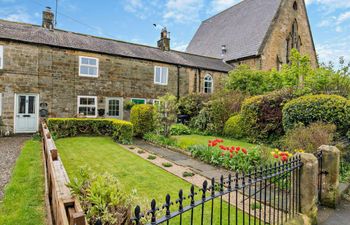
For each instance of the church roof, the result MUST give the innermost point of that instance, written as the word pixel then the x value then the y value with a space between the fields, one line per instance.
pixel 242 28
pixel 29 33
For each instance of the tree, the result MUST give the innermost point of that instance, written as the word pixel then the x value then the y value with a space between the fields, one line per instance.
pixel 166 113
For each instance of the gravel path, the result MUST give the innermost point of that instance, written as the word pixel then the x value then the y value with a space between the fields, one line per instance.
pixel 10 147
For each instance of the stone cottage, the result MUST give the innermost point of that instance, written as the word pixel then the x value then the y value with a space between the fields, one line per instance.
pixel 45 71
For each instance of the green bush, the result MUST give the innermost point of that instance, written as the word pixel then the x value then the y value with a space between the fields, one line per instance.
pixel 192 104
pixel 309 138
pixel 159 139
pixel 262 115
pixel 234 127
pixel 102 198
pixel 179 129
pixel 142 117
pixel 217 111
pixel 325 108
pixel 120 130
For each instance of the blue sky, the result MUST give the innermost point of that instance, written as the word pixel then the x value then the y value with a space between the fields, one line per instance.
pixel 131 20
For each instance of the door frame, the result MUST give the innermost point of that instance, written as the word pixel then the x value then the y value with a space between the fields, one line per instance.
pixel 121 102
pixel 36 111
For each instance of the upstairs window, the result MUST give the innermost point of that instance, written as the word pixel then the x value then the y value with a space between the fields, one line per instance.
pixel 161 75
pixel 88 67
pixel 87 106
pixel 208 84
pixel 1 57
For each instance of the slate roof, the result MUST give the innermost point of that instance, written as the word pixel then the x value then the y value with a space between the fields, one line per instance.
pixel 242 28
pixel 36 34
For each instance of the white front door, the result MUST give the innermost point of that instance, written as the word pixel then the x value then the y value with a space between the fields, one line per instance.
pixel 26 113
pixel 114 107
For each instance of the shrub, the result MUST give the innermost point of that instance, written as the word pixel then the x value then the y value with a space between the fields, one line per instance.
pixel 151 157
pixel 142 117
pixel 179 129
pixel 102 198
pixel 325 108
pixel 166 113
pixel 167 164
pixel 187 174
pixel 217 111
pixel 234 127
pixel 192 104
pixel 309 138
pixel 262 115
pixel 120 130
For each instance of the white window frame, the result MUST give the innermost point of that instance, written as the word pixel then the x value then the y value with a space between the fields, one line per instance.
pixel 78 105
pixel 145 100
pixel 97 66
pixel 1 57
pixel 212 84
pixel 155 101
pixel 121 107
pixel 161 74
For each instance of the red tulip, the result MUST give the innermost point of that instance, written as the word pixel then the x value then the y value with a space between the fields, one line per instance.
pixel 276 156
pixel 238 148
pixel 284 158
pixel 244 150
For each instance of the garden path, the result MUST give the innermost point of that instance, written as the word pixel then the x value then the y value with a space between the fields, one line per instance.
pixel 339 216
pixel 10 147
pixel 198 167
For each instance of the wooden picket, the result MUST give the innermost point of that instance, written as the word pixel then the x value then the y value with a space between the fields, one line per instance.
pixel 65 209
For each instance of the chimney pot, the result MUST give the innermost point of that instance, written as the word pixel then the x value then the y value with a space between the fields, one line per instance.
pixel 48 18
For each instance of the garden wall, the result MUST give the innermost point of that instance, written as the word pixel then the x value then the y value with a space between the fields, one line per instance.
pixel 63 208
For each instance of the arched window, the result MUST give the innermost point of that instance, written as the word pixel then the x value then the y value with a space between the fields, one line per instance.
pixel 208 84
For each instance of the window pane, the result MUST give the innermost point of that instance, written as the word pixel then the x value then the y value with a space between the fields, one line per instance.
pixel 83 110
pixel 113 107
pixel 91 101
pixel 31 105
pixel 91 111
pixel 84 61
pixel 83 101
pixel 22 104
pixel 93 62
pixel 92 71
pixel 84 70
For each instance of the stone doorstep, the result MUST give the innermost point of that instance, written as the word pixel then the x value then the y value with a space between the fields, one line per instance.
pixel 198 180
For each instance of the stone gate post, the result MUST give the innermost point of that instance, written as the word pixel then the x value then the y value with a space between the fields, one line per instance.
pixel 330 176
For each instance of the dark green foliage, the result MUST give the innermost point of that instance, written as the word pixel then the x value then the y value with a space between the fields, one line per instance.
pixel 234 127
pixel 192 104
pixel 120 130
pixel 217 111
pixel 325 108
pixel 140 151
pixel 179 129
pixel 167 164
pixel 151 157
pixel 187 174
pixel 142 117
pixel 262 115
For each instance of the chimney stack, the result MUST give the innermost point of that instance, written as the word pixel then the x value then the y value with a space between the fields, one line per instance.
pixel 164 42
pixel 48 19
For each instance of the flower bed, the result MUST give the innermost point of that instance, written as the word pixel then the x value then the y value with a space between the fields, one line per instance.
pixel 235 157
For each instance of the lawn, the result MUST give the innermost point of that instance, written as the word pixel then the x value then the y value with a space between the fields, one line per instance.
pixel 23 201
pixel 102 155
pixel 187 140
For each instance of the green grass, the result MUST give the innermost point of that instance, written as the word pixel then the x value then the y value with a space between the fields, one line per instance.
pixel 102 155
pixel 23 202
pixel 187 140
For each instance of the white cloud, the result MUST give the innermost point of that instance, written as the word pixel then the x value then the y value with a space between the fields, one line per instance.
pixel 343 17
pixel 17 14
pixel 179 46
pixel 220 5
pixel 142 8
pixel 183 11
pixel 332 50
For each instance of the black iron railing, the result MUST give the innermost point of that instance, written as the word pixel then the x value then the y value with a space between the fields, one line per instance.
pixel 265 195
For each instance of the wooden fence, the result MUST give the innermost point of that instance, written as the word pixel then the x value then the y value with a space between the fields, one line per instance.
pixel 64 208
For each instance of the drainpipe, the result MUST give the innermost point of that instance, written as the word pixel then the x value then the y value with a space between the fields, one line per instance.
pixel 199 79
pixel 178 82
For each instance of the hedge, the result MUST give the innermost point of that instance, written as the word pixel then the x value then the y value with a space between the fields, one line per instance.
pixel 142 117
pixel 234 127
pixel 325 108
pixel 262 115
pixel 120 130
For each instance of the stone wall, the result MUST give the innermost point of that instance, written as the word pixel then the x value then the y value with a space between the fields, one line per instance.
pixel 53 73
pixel 276 44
